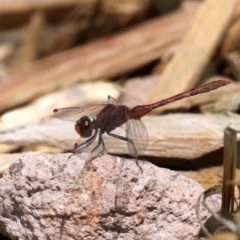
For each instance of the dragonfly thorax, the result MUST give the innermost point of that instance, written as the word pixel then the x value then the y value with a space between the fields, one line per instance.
pixel 111 117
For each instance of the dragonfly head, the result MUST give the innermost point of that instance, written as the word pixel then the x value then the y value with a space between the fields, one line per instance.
pixel 84 127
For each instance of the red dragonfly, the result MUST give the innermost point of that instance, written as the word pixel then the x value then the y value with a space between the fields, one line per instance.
pixel 94 120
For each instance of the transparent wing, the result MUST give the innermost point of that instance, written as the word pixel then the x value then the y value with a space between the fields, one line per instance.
pixel 137 133
pixel 74 113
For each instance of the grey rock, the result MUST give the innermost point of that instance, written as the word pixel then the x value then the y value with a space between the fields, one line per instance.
pixel 53 196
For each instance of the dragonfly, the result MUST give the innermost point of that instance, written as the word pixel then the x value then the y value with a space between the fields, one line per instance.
pixel 92 121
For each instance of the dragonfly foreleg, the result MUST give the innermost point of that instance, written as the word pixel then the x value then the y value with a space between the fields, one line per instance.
pixel 100 141
pixel 87 142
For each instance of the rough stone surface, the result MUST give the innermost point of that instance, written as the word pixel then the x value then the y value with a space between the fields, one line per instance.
pixel 51 196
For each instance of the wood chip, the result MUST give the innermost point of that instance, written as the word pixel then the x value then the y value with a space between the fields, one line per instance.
pixel 196 49
pixel 182 136
pixel 29 48
pixel 7 7
pixel 231 39
pixel 5 148
pixel 104 58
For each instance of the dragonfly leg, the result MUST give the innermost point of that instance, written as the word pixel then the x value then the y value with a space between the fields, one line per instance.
pixel 120 137
pixel 87 142
pixel 100 141
pixel 81 147
pixel 129 141
pixel 139 166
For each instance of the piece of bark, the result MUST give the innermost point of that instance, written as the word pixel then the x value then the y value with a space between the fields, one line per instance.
pixel 9 7
pixel 28 51
pixel 91 18
pixel 5 148
pixel 167 6
pixel 7 50
pixel 181 136
pixel 42 107
pixel 231 40
pixel 10 41
pixel 52 196
pixel 61 37
pixel 53 38
pixel 123 13
pixel 117 7
pixel 83 21
pixel 102 17
pixel 105 58
pixel 196 49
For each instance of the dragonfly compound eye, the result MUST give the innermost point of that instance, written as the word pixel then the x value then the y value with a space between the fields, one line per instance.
pixel 84 127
